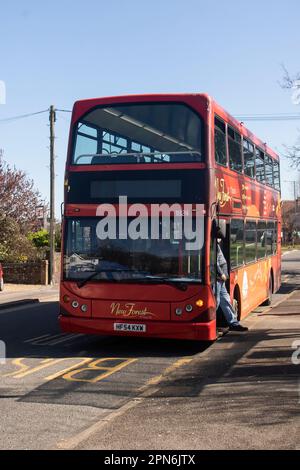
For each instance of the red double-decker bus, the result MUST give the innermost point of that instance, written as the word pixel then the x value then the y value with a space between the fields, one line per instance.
pixel 180 150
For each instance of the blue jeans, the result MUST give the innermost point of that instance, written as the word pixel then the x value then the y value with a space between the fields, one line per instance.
pixel 223 300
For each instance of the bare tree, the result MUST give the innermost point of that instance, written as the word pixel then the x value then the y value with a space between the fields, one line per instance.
pixel 288 81
pixel 292 153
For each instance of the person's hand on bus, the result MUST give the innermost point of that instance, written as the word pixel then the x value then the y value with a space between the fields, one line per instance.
pixel 224 277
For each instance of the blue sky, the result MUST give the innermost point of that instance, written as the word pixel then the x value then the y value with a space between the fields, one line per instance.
pixel 60 51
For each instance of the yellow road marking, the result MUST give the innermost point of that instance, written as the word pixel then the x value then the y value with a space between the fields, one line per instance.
pixel 23 367
pixel 18 363
pixel 83 361
pixel 69 373
pixel 27 370
pixel 158 378
pixel 94 366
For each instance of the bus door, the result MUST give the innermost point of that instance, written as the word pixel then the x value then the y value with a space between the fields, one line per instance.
pixel 213 260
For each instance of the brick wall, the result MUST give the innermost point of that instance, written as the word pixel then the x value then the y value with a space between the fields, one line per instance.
pixel 26 273
pixel 36 272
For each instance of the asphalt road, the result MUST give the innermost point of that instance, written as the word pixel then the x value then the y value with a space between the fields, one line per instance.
pixel 75 391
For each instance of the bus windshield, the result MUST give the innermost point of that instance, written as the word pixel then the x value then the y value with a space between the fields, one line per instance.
pixel 139 133
pixel 120 259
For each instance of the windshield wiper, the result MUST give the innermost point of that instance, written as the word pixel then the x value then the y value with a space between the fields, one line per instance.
pixel 166 280
pixel 180 284
pixel 98 271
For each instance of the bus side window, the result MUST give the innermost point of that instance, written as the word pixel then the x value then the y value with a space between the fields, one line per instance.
pixel 250 241
pixel 270 238
pixel 269 170
pixel 261 239
pixel 235 150
pixel 220 142
pixel 276 175
pixel 260 165
pixel 236 243
pixel 249 160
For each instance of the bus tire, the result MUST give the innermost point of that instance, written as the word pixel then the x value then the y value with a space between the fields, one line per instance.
pixel 270 291
pixel 237 302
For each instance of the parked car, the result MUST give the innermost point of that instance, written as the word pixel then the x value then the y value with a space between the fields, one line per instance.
pixel 1 278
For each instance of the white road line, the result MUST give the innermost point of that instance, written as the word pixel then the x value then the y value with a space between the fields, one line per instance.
pixel 47 338
pixel 35 338
pixel 52 340
pixel 66 338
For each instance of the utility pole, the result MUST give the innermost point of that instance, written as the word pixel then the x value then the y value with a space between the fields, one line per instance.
pixel 52 119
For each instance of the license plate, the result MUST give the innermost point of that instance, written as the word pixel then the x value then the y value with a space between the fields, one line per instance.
pixel 130 327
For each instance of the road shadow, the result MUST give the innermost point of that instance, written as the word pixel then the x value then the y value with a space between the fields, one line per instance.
pixel 260 386
pixel 288 287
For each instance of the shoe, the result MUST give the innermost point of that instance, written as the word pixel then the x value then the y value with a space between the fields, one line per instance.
pixel 238 327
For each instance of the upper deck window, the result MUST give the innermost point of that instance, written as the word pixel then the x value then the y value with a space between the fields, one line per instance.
pixel 139 133
pixel 249 161
pixel 220 142
pixel 260 165
pixel 269 170
pixel 235 150
pixel 276 175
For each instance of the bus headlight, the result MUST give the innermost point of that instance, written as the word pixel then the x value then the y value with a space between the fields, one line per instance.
pixel 84 308
pixel 189 308
pixel 75 304
pixel 178 311
pixel 199 303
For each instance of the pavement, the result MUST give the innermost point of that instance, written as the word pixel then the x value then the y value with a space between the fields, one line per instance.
pixel 14 294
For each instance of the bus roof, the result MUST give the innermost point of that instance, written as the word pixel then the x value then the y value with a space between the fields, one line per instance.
pixel 222 113
pixel 83 106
